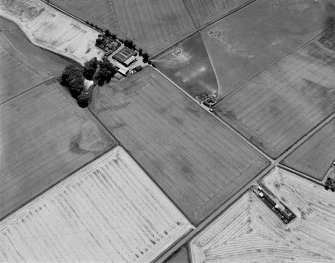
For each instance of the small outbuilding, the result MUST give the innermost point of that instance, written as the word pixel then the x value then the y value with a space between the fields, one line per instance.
pixel 122 70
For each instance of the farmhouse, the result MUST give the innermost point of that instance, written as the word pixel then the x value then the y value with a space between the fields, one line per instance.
pixel 126 56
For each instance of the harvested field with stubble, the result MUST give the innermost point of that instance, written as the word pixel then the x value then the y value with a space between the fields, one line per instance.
pixel 153 25
pixel 109 211
pixel 207 11
pixel 315 156
pixel 280 105
pixel 50 29
pixel 44 136
pixel 250 232
pixel 197 161
pixel 23 65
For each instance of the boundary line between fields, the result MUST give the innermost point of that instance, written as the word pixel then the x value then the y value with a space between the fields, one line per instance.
pixel 199 28
pixel 300 174
pixel 239 193
pixel 214 215
pixel 216 117
pixel 23 92
pixel 304 138
pixel 242 85
pixel 58 181
pixel 145 171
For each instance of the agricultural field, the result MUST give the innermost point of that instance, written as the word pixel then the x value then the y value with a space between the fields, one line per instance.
pixel 181 256
pixel 153 25
pixel 207 11
pixel 187 63
pixel 52 30
pixel 197 162
pixel 21 58
pixel 250 232
pixel 243 44
pixel 316 155
pixel 248 41
pixel 281 104
pixel 44 136
pixel 109 210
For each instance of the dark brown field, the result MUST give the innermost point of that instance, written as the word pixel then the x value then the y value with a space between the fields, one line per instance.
pixel 153 25
pixel 44 136
pixel 22 64
pixel 278 106
pixel 197 162
pixel 315 156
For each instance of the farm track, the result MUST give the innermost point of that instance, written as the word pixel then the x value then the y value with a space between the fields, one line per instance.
pixel 237 195
pixel 250 230
pixel 274 163
pixel 146 113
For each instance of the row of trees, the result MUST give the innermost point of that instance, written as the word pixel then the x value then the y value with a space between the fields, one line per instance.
pixel 128 43
pixel 73 78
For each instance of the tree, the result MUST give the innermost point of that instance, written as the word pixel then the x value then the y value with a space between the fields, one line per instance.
pixel 105 63
pixel 113 36
pixel 88 73
pixel 107 33
pixel 76 86
pixel 140 51
pixel 69 73
pixel 145 57
pixel 129 43
pixel 98 41
pixel 92 63
pixel 84 99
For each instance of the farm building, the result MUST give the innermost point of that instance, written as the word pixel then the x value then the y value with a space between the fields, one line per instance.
pixel 109 211
pixel 249 231
pixel 125 56
pixel 122 70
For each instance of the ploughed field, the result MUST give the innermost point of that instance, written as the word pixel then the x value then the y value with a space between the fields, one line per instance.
pixel 249 231
pixel 23 65
pixel 50 29
pixel 44 136
pixel 108 210
pixel 197 161
pixel 281 104
pixel 153 25
pixel 316 155
pixel 239 46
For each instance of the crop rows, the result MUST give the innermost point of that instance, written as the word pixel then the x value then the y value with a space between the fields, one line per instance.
pixel 250 232
pixel 108 211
